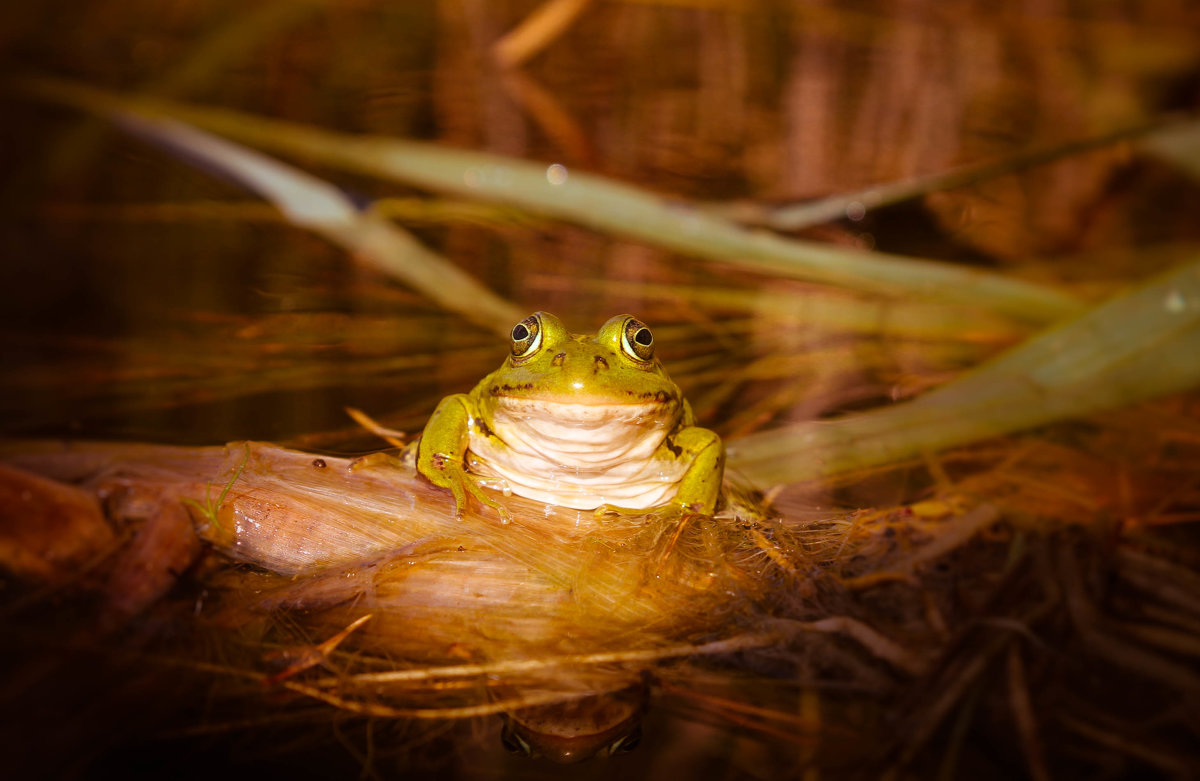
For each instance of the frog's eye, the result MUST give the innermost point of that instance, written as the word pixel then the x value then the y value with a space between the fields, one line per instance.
pixel 514 743
pixel 637 341
pixel 627 743
pixel 526 337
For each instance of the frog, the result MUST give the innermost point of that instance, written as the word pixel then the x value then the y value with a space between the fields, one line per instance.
pixel 587 422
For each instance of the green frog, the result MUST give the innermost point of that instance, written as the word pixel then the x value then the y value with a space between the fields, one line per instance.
pixel 589 422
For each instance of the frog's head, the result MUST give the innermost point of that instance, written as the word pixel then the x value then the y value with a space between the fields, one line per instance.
pixel 588 378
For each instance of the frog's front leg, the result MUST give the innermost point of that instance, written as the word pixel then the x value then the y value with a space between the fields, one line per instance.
pixel 700 488
pixel 442 450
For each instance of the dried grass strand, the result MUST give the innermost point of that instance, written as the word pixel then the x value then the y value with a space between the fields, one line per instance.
pixel 508 666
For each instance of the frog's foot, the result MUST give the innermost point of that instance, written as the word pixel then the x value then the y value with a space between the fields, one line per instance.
pixel 616 511
pixel 380 459
pixel 477 491
pixel 463 485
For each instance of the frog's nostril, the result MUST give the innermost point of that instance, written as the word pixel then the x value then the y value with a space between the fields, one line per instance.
pixel 558 359
pixel 600 364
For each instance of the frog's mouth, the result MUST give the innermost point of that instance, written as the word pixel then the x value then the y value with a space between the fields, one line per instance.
pixel 572 421
pixel 586 437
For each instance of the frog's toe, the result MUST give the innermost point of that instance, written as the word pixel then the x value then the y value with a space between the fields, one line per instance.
pixel 478 492
pixel 616 511
pixel 459 497
pixel 380 459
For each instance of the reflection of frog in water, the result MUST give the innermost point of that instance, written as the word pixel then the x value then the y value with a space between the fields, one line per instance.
pixel 584 422
pixel 598 725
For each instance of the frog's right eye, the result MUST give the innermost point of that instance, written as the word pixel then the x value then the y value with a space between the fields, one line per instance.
pixel 514 743
pixel 526 337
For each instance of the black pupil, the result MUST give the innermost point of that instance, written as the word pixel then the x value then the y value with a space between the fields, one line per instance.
pixel 644 337
pixel 520 332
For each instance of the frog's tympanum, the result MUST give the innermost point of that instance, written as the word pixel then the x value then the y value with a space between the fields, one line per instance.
pixel 578 421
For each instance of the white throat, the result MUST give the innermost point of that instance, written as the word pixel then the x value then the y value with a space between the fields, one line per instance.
pixel 579 455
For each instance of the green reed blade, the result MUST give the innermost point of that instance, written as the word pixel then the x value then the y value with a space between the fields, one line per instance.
pixel 599 203
pixel 314 204
pixel 1139 345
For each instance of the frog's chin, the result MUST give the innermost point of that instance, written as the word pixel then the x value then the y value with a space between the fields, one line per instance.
pixel 580 455
pixel 583 414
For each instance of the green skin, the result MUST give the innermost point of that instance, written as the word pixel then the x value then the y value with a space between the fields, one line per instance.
pixel 609 371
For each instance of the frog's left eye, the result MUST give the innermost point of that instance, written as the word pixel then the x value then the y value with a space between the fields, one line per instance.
pixel 626 743
pixel 637 341
pixel 526 337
